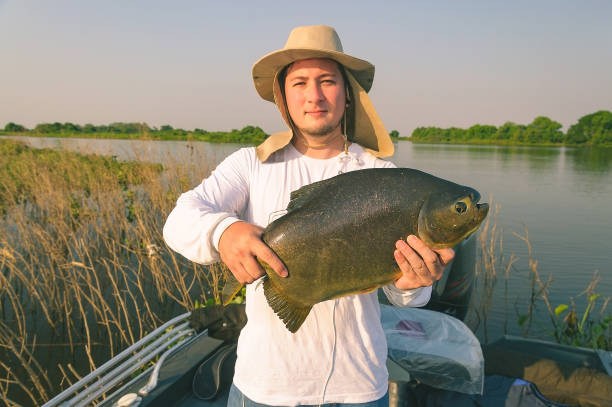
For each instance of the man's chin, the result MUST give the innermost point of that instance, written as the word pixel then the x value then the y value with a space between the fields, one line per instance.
pixel 319 131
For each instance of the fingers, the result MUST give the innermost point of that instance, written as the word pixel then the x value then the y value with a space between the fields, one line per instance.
pixel 428 256
pixel 263 252
pixel 245 274
pixel 446 255
pixel 420 265
pixel 240 246
pixel 412 265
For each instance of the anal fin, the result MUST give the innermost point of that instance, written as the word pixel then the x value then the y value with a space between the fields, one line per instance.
pixel 292 315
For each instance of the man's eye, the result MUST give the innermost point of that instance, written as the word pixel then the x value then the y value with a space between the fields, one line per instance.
pixel 328 82
pixel 299 83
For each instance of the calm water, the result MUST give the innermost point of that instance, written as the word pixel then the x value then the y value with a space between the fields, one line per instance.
pixel 562 195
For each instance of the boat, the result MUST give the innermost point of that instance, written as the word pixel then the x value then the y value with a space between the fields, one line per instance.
pixel 195 369
pixel 130 379
pixel 566 374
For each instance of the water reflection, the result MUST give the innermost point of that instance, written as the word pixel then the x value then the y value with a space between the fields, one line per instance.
pixel 591 159
pixel 508 158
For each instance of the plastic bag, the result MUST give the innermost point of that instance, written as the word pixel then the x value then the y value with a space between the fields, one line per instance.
pixel 436 349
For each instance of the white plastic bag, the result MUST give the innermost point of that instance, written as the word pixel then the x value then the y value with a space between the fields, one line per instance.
pixel 436 349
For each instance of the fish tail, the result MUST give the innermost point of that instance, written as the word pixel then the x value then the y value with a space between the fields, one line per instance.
pixel 293 315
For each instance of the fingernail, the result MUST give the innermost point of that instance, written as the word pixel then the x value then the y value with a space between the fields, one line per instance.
pixel 284 273
pixel 410 238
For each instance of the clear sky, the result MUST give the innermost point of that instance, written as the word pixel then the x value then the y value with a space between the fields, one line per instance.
pixel 188 63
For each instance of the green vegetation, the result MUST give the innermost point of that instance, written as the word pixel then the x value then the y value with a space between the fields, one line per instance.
pixel 592 130
pixel 588 331
pixel 247 135
pixel 395 136
pixel 24 168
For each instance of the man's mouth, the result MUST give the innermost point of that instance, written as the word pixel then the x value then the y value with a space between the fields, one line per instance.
pixel 316 113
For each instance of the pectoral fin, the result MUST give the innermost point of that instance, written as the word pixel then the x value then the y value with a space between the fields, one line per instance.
pixel 230 289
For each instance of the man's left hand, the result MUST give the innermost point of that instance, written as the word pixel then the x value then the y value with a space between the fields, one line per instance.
pixel 420 265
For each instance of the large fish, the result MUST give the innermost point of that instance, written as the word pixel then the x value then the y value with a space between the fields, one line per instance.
pixel 338 235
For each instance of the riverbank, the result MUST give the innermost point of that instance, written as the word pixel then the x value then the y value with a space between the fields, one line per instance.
pixel 594 129
pixel 246 135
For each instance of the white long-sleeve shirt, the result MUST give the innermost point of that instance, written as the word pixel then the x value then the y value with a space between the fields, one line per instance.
pixel 338 355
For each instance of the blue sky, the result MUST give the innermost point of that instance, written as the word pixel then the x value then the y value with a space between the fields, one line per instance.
pixel 188 63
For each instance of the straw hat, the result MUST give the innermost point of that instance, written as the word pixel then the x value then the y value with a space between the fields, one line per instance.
pixel 363 125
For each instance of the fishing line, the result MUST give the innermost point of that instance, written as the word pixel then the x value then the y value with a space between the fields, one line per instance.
pixel 333 353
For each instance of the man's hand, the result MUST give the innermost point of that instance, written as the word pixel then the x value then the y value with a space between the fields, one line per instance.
pixel 240 245
pixel 420 265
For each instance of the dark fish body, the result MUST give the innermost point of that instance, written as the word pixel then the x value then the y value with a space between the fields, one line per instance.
pixel 338 236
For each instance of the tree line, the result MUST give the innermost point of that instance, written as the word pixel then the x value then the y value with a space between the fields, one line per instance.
pixel 248 134
pixel 592 129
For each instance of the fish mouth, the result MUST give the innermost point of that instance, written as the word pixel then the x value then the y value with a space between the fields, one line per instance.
pixel 480 207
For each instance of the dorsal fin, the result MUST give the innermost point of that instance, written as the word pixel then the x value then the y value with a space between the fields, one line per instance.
pixel 300 196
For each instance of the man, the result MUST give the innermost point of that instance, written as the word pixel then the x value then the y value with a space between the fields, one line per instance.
pixel 339 353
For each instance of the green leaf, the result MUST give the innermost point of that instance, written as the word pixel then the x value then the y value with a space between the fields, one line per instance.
pixel 593 297
pixel 560 309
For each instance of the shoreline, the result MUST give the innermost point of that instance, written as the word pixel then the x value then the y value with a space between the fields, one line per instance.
pixel 224 138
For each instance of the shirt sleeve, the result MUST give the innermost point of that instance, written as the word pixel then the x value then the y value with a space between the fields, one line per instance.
pixel 417 297
pixel 201 215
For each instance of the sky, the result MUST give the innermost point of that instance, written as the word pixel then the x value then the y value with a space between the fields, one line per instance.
pixel 188 63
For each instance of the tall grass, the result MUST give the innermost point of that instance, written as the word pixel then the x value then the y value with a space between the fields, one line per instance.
pixel 83 267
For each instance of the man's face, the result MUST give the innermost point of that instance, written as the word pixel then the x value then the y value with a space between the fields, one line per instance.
pixel 314 90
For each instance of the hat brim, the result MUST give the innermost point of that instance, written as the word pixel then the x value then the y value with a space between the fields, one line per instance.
pixel 265 70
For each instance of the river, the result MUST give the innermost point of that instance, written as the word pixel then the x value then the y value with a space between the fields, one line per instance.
pixel 563 196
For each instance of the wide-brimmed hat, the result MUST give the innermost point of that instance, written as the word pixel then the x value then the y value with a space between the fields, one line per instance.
pixel 363 125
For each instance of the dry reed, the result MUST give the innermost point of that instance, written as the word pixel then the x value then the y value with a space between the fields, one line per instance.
pixel 83 265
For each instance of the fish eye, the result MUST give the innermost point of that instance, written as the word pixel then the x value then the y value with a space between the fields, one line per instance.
pixel 460 207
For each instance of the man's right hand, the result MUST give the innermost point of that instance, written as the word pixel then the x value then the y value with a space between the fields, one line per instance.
pixel 240 246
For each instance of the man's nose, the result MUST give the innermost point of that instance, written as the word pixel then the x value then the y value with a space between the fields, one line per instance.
pixel 314 93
